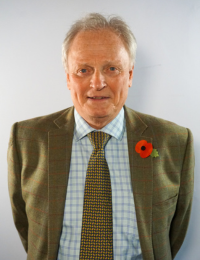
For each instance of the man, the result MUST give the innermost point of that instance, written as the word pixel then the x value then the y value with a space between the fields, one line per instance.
pixel 148 162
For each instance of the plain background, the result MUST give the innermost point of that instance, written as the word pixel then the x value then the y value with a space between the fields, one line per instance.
pixel 166 80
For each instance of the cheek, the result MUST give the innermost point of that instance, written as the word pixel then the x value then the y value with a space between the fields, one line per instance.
pixel 122 88
pixel 78 93
pixel 123 92
pixel 81 85
pixel 77 88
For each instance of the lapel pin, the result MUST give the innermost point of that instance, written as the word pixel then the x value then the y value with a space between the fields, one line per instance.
pixel 145 149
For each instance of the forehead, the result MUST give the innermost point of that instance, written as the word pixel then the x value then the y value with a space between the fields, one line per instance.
pixel 99 43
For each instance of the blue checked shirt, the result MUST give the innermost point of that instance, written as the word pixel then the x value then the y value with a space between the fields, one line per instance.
pixel 126 244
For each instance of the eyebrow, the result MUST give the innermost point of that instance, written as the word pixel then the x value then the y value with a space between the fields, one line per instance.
pixel 107 62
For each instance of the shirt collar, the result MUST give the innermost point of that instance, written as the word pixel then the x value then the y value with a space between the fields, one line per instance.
pixel 115 128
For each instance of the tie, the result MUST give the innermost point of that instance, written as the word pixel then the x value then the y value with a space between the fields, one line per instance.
pixel 97 226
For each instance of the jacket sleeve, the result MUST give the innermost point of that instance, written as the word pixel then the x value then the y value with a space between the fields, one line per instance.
pixel 14 185
pixel 180 221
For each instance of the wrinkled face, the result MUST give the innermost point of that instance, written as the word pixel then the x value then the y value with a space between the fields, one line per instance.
pixel 98 76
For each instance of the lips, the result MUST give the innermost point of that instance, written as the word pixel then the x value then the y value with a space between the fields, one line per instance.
pixel 98 97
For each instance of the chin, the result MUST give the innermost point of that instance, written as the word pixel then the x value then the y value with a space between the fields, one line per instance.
pixel 99 115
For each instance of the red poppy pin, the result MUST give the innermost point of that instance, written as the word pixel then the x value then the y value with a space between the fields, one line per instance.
pixel 145 149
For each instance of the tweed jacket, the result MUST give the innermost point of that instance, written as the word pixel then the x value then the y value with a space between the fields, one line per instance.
pixel 39 162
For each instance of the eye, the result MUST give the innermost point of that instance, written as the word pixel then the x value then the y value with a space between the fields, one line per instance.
pixel 83 70
pixel 112 71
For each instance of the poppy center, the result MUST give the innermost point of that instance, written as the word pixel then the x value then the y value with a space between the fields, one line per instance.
pixel 143 148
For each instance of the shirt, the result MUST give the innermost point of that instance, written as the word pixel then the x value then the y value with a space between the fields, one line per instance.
pixel 126 244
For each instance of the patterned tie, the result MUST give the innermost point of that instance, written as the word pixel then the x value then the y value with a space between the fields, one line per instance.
pixel 97 226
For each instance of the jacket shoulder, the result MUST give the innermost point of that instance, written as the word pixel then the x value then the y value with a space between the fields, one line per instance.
pixel 160 128
pixel 46 121
pixel 39 126
pixel 153 121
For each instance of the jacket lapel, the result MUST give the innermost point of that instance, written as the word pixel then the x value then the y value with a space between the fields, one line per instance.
pixel 60 146
pixel 142 181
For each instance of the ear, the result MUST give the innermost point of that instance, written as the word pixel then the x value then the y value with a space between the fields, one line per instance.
pixel 68 80
pixel 131 76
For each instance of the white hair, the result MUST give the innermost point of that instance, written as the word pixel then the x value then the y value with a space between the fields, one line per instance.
pixel 96 21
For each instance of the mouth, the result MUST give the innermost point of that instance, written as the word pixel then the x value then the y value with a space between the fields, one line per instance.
pixel 98 97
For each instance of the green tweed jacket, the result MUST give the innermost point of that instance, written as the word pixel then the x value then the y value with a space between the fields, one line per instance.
pixel 39 161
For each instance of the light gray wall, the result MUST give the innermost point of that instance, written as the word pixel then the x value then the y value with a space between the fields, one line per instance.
pixel 32 83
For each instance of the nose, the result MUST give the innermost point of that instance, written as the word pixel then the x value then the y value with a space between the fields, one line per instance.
pixel 97 81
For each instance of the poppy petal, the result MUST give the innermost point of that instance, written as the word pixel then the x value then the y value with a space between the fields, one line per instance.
pixel 139 145
pixel 147 151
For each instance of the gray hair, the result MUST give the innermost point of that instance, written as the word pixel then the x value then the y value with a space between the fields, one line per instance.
pixel 96 21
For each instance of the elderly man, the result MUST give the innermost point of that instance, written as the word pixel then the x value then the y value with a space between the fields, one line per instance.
pixel 99 180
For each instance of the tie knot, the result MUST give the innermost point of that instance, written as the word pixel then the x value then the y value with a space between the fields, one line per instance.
pixel 98 139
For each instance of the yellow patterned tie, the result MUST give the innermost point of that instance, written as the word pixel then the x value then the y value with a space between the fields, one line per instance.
pixel 97 226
